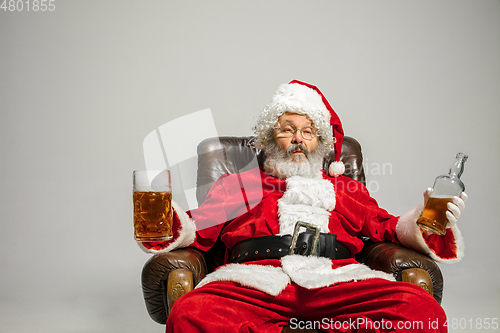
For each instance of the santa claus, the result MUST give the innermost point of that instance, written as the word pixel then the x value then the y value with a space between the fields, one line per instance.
pixel 275 273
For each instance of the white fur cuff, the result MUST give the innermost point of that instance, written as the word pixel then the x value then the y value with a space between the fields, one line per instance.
pixel 410 235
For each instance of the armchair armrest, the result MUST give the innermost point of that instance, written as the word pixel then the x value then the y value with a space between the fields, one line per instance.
pixel 186 266
pixel 406 265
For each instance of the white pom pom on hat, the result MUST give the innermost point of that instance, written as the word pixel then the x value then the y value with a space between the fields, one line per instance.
pixel 336 169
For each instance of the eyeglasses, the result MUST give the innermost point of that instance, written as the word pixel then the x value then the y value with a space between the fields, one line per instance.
pixel 287 131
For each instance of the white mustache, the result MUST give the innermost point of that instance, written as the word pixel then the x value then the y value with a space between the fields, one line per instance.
pixel 295 147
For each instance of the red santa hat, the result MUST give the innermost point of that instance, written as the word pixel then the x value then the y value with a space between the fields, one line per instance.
pixel 306 99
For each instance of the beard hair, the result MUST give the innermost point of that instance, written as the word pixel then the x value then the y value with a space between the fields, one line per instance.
pixel 282 164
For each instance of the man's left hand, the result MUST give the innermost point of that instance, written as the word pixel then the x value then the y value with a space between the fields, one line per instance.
pixel 455 207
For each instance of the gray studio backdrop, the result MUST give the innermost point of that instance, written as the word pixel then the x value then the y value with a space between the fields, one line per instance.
pixel 82 86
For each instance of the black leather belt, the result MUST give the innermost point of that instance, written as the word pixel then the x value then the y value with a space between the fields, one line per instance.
pixel 275 247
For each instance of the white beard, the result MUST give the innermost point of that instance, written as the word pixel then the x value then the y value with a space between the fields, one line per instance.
pixel 283 164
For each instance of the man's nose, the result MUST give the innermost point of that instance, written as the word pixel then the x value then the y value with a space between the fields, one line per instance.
pixel 297 137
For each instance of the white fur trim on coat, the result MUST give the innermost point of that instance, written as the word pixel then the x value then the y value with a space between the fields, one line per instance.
pixel 316 272
pixel 269 279
pixel 186 231
pixel 308 272
pixel 309 191
pixel 290 214
pixel 308 200
pixel 410 235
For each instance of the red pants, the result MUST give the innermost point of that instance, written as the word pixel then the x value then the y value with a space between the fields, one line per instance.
pixel 373 305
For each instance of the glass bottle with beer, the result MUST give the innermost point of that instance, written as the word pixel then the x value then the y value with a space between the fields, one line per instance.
pixel 433 218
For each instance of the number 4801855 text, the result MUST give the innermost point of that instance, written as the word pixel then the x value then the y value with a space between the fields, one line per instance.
pixel 28 5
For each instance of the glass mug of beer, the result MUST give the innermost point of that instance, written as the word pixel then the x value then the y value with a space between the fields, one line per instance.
pixel 152 205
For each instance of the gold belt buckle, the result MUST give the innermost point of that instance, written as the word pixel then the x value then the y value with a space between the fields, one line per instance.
pixel 295 237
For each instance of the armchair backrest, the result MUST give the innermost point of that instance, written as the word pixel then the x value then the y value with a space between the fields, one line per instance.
pixel 228 155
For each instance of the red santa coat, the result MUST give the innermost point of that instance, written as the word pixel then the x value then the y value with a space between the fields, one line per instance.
pixel 254 204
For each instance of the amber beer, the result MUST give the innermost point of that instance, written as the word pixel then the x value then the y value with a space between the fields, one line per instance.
pixel 152 198
pixel 152 216
pixel 433 218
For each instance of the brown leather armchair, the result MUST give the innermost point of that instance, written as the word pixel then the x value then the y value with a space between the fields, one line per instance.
pixel 168 276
